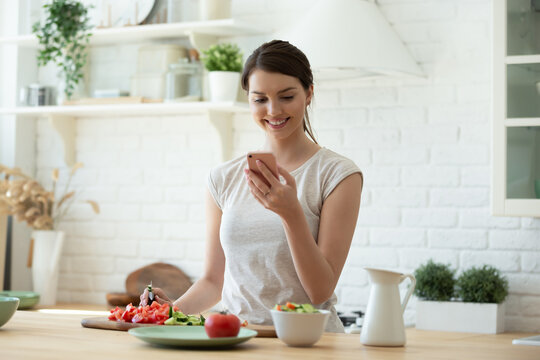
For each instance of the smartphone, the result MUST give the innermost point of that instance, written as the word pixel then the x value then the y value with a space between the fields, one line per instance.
pixel 267 158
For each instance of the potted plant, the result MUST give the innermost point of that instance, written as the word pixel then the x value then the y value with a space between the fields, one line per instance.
pixel 474 302
pixel 27 200
pixel 224 63
pixel 64 37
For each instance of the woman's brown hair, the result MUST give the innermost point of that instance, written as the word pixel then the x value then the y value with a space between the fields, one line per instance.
pixel 281 57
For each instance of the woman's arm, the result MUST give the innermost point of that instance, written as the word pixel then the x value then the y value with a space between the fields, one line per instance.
pixel 318 265
pixel 206 292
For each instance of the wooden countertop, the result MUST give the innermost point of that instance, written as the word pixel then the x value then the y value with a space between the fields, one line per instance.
pixel 57 334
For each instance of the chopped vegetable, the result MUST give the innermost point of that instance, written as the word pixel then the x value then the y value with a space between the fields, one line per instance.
pixel 179 318
pixel 293 307
pixel 154 314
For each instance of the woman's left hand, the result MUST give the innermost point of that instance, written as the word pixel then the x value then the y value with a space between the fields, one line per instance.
pixel 272 194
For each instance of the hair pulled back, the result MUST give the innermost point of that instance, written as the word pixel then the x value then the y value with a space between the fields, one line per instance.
pixel 280 56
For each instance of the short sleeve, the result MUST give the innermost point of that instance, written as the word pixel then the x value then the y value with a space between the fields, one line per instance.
pixel 337 171
pixel 213 189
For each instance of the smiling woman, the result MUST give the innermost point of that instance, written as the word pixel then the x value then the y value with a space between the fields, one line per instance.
pixel 273 239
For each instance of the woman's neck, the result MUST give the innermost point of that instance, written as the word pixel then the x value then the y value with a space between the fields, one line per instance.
pixel 291 153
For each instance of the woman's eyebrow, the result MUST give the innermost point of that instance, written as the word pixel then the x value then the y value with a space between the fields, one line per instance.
pixel 279 92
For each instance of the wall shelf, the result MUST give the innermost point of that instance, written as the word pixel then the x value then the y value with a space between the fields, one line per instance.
pixel 212 29
pixel 62 118
pixel 522 59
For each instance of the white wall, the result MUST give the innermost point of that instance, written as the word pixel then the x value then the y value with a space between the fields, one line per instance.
pixel 424 146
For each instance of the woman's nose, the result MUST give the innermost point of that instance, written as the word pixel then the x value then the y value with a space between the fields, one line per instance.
pixel 273 108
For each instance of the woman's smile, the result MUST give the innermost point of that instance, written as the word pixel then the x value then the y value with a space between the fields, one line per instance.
pixel 278 103
pixel 277 123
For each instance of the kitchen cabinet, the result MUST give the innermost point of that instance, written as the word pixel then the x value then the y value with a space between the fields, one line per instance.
pixel 516 108
pixel 200 34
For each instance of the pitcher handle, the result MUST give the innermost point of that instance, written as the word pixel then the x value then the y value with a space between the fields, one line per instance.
pixel 409 292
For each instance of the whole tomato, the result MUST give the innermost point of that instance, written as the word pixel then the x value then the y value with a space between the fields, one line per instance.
pixel 222 325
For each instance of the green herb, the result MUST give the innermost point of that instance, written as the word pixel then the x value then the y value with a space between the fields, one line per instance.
pixel 482 285
pixel 222 57
pixel 64 35
pixel 434 281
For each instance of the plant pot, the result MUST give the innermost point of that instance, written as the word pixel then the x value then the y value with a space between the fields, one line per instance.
pixel 45 264
pixel 460 316
pixel 223 85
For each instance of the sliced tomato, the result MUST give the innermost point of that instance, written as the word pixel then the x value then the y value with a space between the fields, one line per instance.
pixel 155 313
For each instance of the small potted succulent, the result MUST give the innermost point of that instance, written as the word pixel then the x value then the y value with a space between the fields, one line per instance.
pixel 472 303
pixel 224 63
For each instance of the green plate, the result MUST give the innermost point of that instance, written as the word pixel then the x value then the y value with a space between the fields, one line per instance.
pixel 187 336
pixel 27 299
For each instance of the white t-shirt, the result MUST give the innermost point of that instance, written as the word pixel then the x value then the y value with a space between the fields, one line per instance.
pixel 259 270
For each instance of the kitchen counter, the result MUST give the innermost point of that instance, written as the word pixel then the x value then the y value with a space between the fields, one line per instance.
pixel 57 334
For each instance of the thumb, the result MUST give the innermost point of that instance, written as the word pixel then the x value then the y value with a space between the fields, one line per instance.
pixel 289 179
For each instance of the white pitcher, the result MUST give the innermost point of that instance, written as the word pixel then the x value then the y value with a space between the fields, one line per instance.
pixel 383 322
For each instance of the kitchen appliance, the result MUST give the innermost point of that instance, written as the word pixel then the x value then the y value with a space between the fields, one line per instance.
pixel 383 324
pixel 37 95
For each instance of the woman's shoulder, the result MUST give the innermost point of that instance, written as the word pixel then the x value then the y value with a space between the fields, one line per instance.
pixel 329 159
pixel 228 168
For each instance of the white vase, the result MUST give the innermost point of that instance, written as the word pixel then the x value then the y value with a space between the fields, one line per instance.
pixel 214 9
pixel 223 85
pixel 45 264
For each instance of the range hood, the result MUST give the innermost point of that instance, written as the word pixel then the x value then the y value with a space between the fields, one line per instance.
pixel 346 39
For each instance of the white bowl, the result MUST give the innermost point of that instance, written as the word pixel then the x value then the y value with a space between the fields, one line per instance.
pixel 299 329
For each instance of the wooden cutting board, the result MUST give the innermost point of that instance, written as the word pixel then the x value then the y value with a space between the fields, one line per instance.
pixel 106 324
pixel 168 277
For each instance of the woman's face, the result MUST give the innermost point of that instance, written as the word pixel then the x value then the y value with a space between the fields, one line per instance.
pixel 278 102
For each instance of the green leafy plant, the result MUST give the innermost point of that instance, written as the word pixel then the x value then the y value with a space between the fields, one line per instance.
pixel 64 36
pixel 223 57
pixel 482 285
pixel 434 282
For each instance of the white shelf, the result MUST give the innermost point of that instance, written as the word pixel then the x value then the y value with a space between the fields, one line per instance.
pixel 158 109
pixel 62 118
pixel 106 36
pixel 517 122
pixel 523 59
pixel 522 207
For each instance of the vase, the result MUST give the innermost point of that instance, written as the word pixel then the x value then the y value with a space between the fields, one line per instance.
pixel 223 85
pixel 45 264
pixel 214 9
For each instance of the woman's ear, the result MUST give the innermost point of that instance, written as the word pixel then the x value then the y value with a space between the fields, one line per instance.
pixel 309 95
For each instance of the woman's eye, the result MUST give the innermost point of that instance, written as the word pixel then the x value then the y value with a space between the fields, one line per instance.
pixel 288 98
pixel 259 100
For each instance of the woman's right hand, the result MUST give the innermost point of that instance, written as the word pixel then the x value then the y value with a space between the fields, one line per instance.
pixel 159 296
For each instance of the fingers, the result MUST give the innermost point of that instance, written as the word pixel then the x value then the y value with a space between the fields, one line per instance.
pixel 255 179
pixel 160 300
pixel 288 177
pixel 144 297
pixel 267 173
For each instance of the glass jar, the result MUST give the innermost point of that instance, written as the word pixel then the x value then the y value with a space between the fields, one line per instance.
pixel 183 82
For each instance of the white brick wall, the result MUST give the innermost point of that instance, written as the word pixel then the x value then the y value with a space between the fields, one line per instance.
pixel 424 146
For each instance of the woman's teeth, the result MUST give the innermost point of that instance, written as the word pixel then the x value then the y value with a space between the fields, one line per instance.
pixel 277 123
